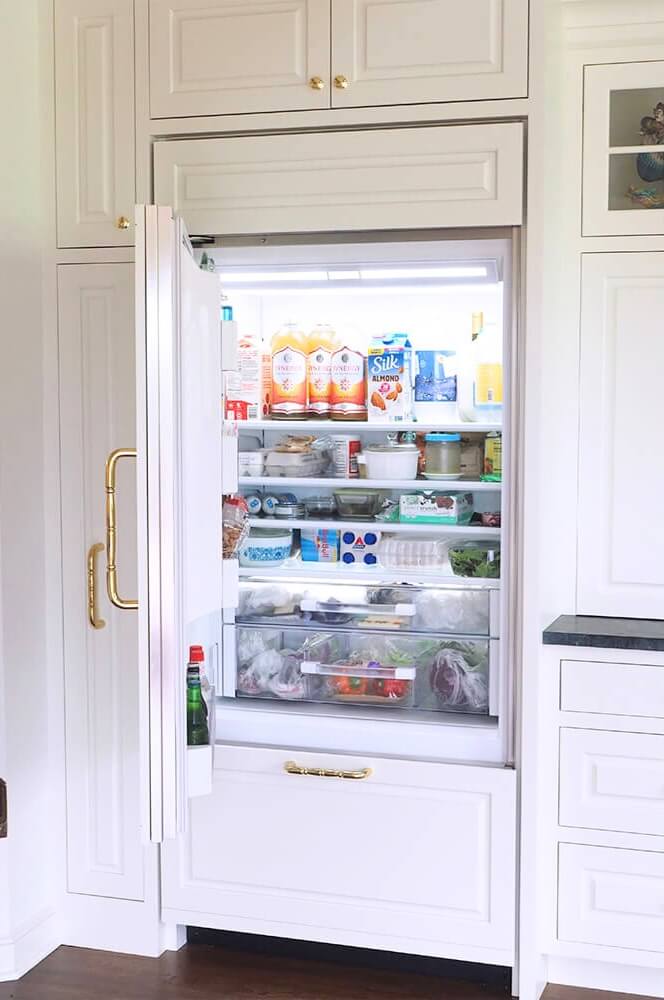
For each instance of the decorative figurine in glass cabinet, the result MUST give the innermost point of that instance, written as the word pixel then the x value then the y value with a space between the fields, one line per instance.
pixel 650 165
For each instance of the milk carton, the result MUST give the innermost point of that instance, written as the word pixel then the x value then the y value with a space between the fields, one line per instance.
pixel 389 378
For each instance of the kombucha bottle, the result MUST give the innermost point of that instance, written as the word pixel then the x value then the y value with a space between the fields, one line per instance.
pixel 289 374
pixel 322 344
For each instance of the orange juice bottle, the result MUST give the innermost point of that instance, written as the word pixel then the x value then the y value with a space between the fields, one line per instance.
pixel 289 373
pixel 349 384
pixel 322 344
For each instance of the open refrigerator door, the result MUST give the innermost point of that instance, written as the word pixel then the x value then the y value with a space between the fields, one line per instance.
pixel 179 507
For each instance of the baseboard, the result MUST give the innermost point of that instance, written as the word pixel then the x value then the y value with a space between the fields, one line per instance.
pixel 28 945
pixel 606 976
pixel 127 926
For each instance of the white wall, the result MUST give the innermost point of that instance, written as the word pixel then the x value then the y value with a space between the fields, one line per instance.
pixel 25 890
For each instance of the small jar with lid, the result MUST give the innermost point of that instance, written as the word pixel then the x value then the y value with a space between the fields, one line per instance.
pixel 442 455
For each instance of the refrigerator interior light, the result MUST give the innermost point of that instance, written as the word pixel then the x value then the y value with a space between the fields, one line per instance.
pixel 442 274
pixel 265 277
pixel 415 273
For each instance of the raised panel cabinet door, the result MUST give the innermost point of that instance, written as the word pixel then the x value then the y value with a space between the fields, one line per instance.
pixel 420 51
pixel 221 57
pixel 415 857
pixel 97 413
pixel 455 175
pixel 612 781
pixel 612 897
pixel 620 557
pixel 94 97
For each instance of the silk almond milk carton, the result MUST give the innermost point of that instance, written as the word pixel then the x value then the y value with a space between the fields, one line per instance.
pixel 389 377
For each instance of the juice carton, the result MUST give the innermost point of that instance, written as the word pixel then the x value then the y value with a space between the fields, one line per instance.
pixel 389 376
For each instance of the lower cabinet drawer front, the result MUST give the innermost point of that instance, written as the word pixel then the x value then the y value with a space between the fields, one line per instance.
pixel 422 852
pixel 613 897
pixel 612 688
pixel 612 781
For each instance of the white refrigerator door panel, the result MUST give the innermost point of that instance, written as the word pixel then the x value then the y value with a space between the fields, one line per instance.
pixel 179 477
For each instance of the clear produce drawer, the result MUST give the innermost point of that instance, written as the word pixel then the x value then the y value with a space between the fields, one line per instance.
pixel 430 673
pixel 400 608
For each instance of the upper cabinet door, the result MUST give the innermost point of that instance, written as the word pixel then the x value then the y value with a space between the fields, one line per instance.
pixel 179 391
pixel 418 51
pixel 94 89
pixel 623 149
pixel 452 176
pixel 621 476
pixel 220 57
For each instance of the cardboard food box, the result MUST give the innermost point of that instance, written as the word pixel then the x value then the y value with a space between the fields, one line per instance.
pixel 433 507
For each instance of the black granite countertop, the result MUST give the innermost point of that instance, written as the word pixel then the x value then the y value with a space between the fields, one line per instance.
pixel 607 633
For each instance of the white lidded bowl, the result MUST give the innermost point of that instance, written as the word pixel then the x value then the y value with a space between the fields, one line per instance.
pixel 391 461
pixel 266 547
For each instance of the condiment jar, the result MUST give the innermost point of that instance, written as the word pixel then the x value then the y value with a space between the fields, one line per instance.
pixel 285 511
pixel 442 454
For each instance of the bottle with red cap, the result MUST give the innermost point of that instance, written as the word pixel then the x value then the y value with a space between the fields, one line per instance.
pixel 198 730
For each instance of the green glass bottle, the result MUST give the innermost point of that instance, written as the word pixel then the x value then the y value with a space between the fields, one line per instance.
pixel 198 733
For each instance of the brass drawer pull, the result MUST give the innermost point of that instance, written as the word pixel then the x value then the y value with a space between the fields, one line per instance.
pixel 316 83
pixel 92 586
pixel 290 767
pixel 111 530
pixel 122 222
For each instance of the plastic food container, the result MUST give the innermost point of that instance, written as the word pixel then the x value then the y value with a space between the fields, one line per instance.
pixel 391 461
pixel 371 683
pixel 358 504
pixel 295 463
pixel 251 463
pixel 320 506
pixel 475 558
pixel 266 547
pixel 406 552
pixel 442 456
pixel 287 509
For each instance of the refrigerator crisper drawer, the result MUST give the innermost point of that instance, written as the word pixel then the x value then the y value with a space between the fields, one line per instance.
pixel 434 673
pixel 408 608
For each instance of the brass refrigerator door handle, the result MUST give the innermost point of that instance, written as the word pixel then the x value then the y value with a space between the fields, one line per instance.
pixel 290 767
pixel 92 585
pixel 3 808
pixel 111 530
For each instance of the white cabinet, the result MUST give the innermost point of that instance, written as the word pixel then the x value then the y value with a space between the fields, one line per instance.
pixel 614 898
pixel 416 857
pixel 452 176
pixel 419 51
pixel 612 781
pixel 230 56
pixel 94 94
pixel 97 410
pixel 240 56
pixel 621 480
pixel 634 689
pixel 623 149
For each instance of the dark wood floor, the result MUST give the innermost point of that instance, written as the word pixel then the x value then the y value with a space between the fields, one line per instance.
pixel 206 972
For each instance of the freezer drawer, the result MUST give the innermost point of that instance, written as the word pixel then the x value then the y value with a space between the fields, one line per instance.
pixel 276 853
pixel 354 605
pixel 435 673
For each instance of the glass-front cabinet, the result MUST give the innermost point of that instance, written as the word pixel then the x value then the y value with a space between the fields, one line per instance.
pixel 623 159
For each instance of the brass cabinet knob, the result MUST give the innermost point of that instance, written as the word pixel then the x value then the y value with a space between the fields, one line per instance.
pixel 123 222
pixel 316 83
pixel 341 82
